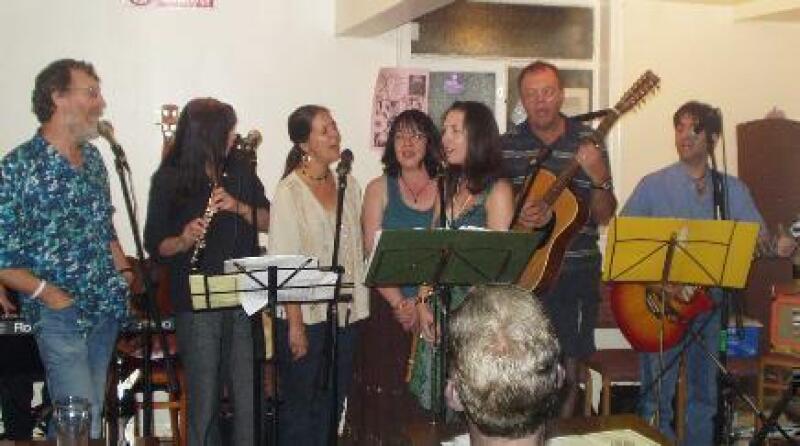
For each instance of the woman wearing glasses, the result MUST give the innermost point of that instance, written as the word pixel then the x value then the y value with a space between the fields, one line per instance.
pixel 404 197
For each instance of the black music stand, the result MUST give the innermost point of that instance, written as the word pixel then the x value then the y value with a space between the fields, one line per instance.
pixel 275 279
pixel 714 253
pixel 446 257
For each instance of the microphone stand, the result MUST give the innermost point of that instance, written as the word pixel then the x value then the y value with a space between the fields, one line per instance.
pixel 342 171
pixel 257 327
pixel 444 293
pixel 151 310
pixel 718 183
pixel 725 380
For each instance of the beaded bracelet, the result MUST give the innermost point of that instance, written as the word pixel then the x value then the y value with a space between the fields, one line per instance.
pixel 38 291
pixel 425 297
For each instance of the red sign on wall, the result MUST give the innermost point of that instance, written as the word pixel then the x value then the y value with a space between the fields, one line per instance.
pixel 175 3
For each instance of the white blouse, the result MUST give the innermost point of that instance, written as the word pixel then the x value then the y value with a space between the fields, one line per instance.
pixel 300 225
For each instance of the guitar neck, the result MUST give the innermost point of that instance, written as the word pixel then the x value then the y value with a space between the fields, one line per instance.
pixel 605 125
pixel 561 182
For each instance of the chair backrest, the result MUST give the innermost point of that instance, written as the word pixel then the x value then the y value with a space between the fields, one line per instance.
pixel 605 317
pixel 607 332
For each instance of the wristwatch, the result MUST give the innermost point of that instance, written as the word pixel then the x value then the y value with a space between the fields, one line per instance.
pixel 605 185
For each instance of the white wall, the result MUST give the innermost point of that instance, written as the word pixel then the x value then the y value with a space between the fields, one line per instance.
pixel 263 57
pixel 267 57
pixel 745 68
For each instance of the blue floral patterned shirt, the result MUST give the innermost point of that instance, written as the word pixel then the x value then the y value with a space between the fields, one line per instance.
pixel 55 221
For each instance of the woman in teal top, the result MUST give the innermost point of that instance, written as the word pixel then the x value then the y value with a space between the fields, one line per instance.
pixel 477 196
pixel 404 197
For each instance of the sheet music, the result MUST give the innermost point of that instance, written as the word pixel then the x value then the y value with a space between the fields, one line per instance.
pixel 252 301
pixel 622 437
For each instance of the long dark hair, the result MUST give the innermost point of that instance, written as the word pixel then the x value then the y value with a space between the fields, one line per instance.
pixel 299 130
pixel 201 139
pixel 420 122
pixel 484 158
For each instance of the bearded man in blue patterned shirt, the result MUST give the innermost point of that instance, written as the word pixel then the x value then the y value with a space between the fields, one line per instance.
pixel 58 247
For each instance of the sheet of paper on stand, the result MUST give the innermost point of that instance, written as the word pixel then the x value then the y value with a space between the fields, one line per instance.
pixel 621 437
pixel 210 292
pixel 252 295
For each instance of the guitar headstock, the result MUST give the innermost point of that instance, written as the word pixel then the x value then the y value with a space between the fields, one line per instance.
pixel 647 83
pixel 168 123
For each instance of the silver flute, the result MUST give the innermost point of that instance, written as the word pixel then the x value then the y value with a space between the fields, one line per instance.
pixel 200 242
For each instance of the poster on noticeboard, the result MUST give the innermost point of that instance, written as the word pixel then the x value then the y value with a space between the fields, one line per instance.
pixel 173 3
pixel 396 90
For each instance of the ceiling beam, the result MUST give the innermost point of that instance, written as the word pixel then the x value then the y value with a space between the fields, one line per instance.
pixel 367 18
pixel 768 10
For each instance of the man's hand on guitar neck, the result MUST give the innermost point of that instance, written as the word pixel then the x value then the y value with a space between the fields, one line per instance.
pixel 590 157
pixel 602 203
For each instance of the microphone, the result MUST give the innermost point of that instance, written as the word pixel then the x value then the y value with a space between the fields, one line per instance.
pixel 441 168
pixel 106 130
pixel 711 122
pixel 250 142
pixel 345 163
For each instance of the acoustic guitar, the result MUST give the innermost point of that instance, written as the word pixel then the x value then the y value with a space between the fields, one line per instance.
pixel 636 308
pixel 569 212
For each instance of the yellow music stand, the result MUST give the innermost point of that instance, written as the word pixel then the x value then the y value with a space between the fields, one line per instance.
pixel 714 253
pixel 698 252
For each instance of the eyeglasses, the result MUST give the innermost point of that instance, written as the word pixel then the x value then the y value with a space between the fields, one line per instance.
pixel 92 92
pixel 545 94
pixel 412 136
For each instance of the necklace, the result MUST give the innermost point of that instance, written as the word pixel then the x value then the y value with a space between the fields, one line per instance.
pixel 700 183
pixel 460 209
pixel 414 195
pixel 318 179
pixel 464 205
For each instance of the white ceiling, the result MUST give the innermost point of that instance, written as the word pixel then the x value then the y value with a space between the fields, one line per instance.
pixel 773 10
pixel 372 17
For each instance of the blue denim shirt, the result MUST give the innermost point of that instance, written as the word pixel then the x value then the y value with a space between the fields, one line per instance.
pixel 55 221
pixel 671 192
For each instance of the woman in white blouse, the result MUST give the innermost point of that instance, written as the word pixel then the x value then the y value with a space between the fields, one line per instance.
pixel 302 221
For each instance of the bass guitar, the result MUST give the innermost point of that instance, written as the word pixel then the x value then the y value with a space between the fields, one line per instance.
pixel 569 213
pixel 636 308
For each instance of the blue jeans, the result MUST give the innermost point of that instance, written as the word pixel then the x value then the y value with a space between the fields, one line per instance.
pixel 213 346
pixel 76 364
pixel 701 384
pixel 303 417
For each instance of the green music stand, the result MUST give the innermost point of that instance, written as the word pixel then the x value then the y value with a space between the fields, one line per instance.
pixel 446 257
pixel 450 257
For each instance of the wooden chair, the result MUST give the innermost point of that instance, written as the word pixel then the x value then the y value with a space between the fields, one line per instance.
pixel 130 349
pixel 614 365
pixel 774 374
pixel 176 402
pixel 621 365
